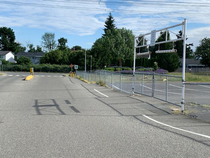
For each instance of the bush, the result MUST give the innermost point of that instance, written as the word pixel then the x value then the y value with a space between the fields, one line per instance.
pixel 109 68
pixel 117 69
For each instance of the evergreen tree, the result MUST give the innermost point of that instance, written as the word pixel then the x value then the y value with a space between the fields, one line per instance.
pixel 109 24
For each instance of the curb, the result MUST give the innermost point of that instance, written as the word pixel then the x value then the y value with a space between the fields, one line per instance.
pixel 29 77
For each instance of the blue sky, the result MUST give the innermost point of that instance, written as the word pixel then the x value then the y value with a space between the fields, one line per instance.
pixel 81 22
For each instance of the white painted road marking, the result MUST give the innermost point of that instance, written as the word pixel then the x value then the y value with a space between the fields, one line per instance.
pixel 198 134
pixel 101 93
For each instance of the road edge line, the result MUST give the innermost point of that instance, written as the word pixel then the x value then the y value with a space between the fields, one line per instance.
pixel 183 130
pixel 101 93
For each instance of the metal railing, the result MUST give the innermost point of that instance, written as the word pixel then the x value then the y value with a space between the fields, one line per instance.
pixel 165 87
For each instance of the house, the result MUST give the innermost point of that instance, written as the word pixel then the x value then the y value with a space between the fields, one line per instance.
pixel 8 56
pixel 192 63
pixel 35 57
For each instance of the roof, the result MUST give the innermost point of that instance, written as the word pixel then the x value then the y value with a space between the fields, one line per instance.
pixel 30 54
pixel 4 52
pixel 191 62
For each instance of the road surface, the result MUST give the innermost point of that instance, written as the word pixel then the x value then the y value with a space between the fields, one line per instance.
pixel 57 116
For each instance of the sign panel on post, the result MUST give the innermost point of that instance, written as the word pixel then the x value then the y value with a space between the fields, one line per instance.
pixel 75 67
pixel 153 37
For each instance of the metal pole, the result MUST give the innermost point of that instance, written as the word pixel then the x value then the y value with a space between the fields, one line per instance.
pixel 91 63
pixel 166 88
pixel 112 80
pixel 142 84
pixel 153 85
pixel 120 82
pixel 105 77
pixel 134 64
pixel 183 64
pixel 85 60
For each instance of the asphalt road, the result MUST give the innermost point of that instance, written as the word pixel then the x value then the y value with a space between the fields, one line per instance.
pixel 56 116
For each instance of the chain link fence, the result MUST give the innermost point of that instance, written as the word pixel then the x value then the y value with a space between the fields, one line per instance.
pixel 164 87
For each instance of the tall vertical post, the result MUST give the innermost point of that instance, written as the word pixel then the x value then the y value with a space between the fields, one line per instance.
pixel 183 63
pixel 166 88
pixel 120 82
pixel 112 80
pixel 91 64
pixel 85 60
pixel 134 64
pixel 153 85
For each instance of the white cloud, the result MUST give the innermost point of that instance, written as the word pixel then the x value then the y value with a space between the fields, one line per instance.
pixel 144 16
pixel 85 17
pixel 75 17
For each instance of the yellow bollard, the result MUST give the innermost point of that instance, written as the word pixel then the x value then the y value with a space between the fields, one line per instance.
pixel 72 74
pixel 32 71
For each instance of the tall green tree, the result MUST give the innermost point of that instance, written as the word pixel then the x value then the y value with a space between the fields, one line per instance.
pixel 167 61
pixel 203 51
pixel 114 48
pixel 48 41
pixel 7 40
pixel 109 24
pixel 62 43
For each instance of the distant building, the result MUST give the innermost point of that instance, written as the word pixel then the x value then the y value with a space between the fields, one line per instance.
pixel 35 57
pixel 192 63
pixel 8 56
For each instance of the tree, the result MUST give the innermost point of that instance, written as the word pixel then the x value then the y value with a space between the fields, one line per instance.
pixel 7 40
pixel 4 62
pixel 77 58
pixel 24 61
pixel 109 24
pixel 32 49
pixel 19 48
pixel 48 41
pixel 62 43
pixel 179 47
pixel 53 57
pixel 76 48
pixel 203 51
pixel 114 48
pixel 167 61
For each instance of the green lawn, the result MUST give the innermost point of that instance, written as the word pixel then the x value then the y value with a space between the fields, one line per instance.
pixel 194 77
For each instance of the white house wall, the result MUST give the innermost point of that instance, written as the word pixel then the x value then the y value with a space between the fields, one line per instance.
pixel 10 57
